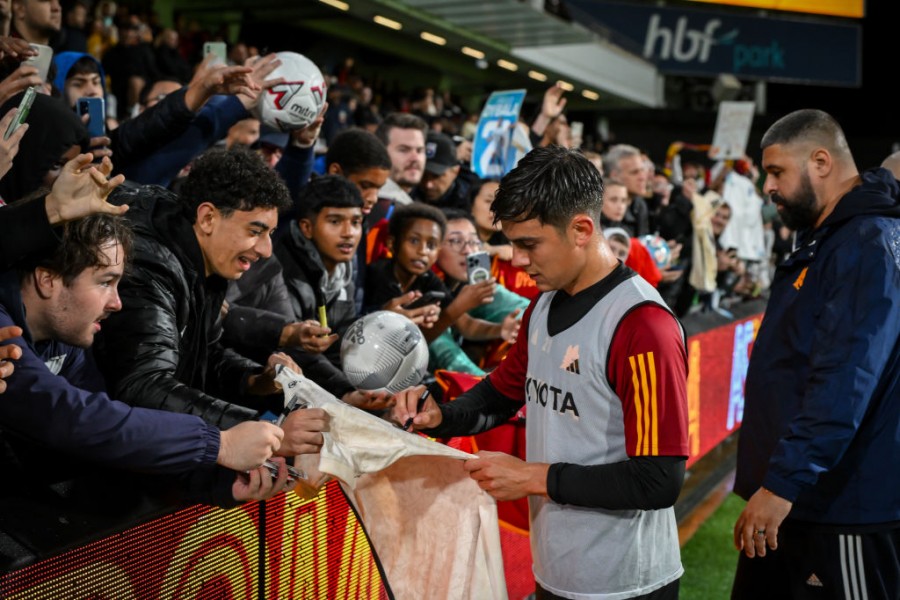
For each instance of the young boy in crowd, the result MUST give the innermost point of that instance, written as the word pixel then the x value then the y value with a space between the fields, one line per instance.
pixel 417 232
pixel 615 205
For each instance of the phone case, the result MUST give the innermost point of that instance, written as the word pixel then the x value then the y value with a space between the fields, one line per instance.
pixel 478 266
pixel 42 60
pixel 219 49
pixel 94 107
pixel 24 106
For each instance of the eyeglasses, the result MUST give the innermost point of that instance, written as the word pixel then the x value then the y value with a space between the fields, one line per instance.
pixel 459 243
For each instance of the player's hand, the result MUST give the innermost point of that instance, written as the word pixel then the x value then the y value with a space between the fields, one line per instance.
pixel 308 335
pixel 303 432
pixel 757 526
pixel 258 484
pixel 406 407
pixel 8 352
pixel 506 477
pixel 248 445
pixel 263 384
pixel 82 189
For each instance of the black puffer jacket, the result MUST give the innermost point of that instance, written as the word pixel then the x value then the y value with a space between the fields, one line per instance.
pixel 162 349
pixel 259 306
pixel 305 277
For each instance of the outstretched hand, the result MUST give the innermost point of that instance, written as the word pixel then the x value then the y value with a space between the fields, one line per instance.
pixel 210 79
pixel 260 69
pixel 82 189
pixel 23 77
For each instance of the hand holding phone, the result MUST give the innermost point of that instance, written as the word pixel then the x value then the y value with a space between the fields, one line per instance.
pixel 478 267
pixel 22 114
pixel 219 51
pixel 430 297
pixel 95 108
pixel 41 61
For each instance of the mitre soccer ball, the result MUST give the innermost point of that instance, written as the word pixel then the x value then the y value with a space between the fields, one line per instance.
pixel 298 101
pixel 658 249
pixel 384 351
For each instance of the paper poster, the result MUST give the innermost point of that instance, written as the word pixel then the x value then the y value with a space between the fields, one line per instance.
pixel 499 141
pixel 732 130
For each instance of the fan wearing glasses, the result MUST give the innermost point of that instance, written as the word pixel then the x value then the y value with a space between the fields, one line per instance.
pixel 489 310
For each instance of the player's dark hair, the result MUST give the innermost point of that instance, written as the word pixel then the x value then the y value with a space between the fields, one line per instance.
pixel 235 179
pixel 551 184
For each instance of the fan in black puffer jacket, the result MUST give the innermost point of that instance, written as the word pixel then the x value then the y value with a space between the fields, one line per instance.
pixel 162 350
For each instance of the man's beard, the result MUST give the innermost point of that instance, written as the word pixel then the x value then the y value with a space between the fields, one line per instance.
pixel 802 211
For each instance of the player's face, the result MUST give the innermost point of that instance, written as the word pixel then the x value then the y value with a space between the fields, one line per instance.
pixel 406 148
pixel 544 252
pixel 369 181
pixel 481 207
pixel 336 233
pixel 789 186
pixel 461 241
pixel 77 309
pixel 615 202
pixel 633 173
pixel 231 244
pixel 417 248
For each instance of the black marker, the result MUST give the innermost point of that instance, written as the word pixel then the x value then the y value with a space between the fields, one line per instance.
pixel 419 406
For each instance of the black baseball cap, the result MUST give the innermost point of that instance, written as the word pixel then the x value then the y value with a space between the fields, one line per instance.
pixel 440 153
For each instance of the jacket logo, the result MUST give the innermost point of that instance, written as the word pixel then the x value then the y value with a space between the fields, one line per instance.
pixel 798 283
pixel 814 581
pixel 570 361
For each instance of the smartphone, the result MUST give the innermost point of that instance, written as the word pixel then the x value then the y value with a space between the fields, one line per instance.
pixel 478 266
pixel 218 49
pixel 41 61
pixel 22 114
pixel 96 108
pixel 577 129
pixel 430 297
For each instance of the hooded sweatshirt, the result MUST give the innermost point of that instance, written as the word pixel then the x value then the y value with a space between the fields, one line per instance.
pixel 821 416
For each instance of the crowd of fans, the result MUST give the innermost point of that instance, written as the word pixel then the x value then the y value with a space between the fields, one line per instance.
pixel 244 248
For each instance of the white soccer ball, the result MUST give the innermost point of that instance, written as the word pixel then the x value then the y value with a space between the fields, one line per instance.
pixel 298 101
pixel 384 351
